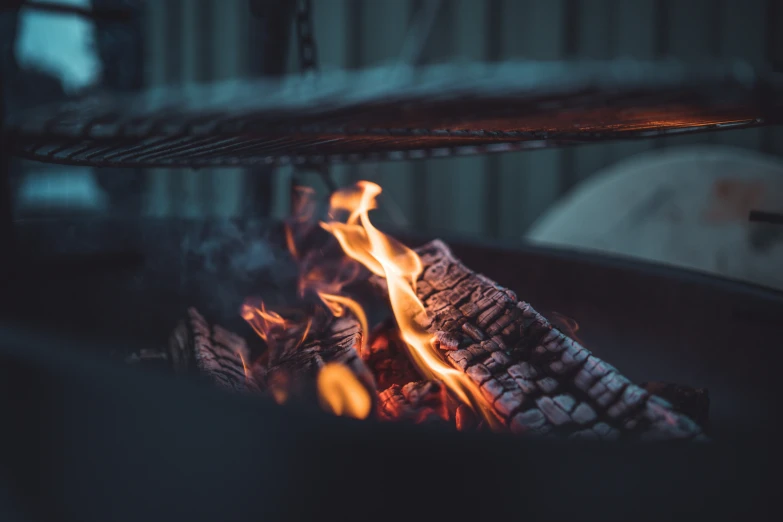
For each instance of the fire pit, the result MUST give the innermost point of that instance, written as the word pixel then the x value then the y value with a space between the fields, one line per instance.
pixel 459 348
pixel 172 266
pixel 269 453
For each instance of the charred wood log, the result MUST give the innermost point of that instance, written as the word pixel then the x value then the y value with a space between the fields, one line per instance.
pixel 293 369
pixel 422 401
pixel 536 379
pixel 220 355
pixel 388 358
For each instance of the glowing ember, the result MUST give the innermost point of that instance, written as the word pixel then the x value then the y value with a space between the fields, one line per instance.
pixel 341 392
pixel 382 255
pixel 401 267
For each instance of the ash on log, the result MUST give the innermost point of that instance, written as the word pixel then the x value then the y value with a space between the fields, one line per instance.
pixel 422 401
pixel 536 379
pixel 215 352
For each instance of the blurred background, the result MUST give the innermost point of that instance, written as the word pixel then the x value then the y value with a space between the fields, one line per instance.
pixel 682 200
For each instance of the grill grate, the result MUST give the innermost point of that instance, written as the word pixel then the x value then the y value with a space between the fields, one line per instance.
pixel 431 112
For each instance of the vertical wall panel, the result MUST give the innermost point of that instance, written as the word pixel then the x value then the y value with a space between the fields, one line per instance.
pixel 467 176
pixel 529 181
pixel 691 36
pixel 159 193
pixel 594 28
pixel 742 38
pixel 333 33
pixel 384 28
pixel 435 175
pixel 773 136
pixel 228 57
pixel 633 36
pixel 188 201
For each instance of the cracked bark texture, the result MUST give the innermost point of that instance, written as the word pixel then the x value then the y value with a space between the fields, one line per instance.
pixel 334 340
pixel 212 351
pixel 538 380
pixel 421 401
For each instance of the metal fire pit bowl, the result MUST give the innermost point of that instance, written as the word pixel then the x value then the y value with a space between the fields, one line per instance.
pixel 94 440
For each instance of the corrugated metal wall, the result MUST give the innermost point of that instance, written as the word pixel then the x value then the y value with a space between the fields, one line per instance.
pixel 500 196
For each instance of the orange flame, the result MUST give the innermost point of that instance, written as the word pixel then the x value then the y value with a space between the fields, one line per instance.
pixel 337 305
pixel 290 242
pixel 244 367
pixel 263 321
pixel 401 267
pixel 341 392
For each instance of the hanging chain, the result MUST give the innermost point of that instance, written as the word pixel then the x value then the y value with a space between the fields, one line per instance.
pixel 308 63
pixel 308 57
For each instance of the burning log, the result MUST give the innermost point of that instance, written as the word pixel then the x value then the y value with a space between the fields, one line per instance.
pixel 293 369
pixel 215 352
pixel 423 401
pixel 535 379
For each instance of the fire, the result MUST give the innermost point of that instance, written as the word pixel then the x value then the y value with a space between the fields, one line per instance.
pixel 341 392
pixel 401 267
pixel 363 245
pixel 269 325
pixel 244 366
pixel 337 305
pixel 325 279
pixel 263 321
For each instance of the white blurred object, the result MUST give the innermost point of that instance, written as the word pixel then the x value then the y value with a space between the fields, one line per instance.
pixel 60 189
pixel 682 206
pixel 59 44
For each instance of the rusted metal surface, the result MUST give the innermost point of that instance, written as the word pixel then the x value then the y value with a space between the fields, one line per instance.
pixel 385 114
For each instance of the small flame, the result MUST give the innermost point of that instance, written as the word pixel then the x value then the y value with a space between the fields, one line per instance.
pixel 341 392
pixel 306 330
pixel 401 267
pixel 244 366
pixel 337 305
pixel 290 242
pixel 263 321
